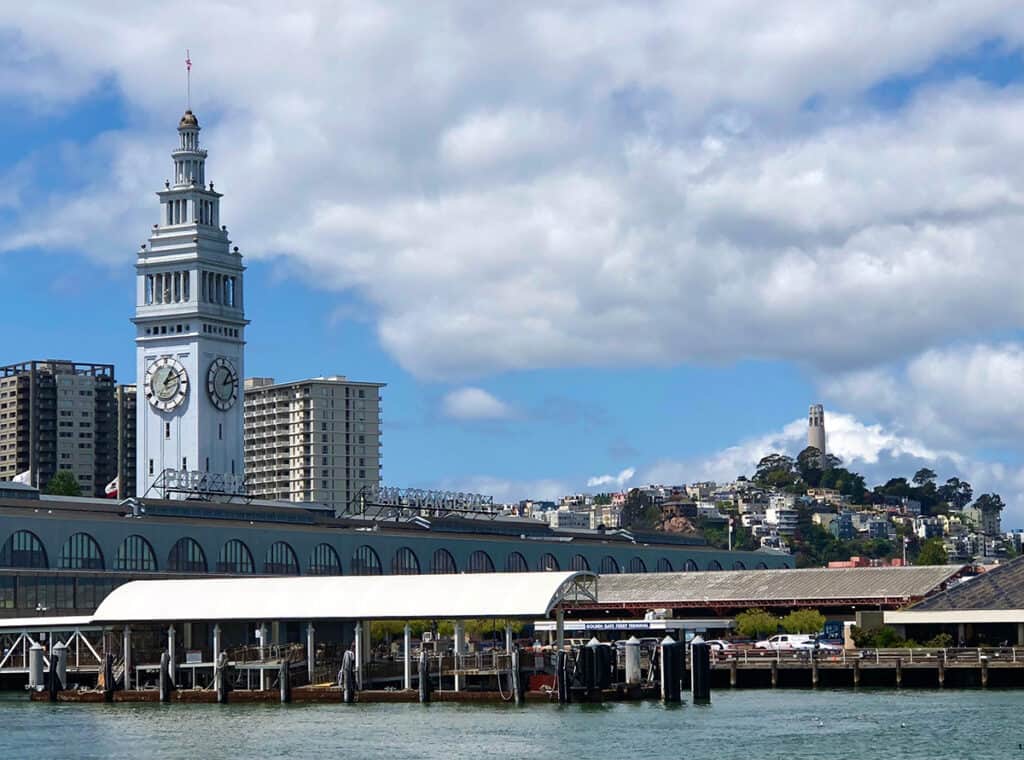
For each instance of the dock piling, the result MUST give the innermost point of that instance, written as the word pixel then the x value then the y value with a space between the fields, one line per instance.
pixel 562 677
pixel 165 677
pixel 700 671
pixel 734 670
pixel 517 678
pixel 284 681
pixel 671 675
pixel 424 678
pixel 347 677
pixel 941 673
pixel 60 654
pixel 775 674
pixel 220 677
pixel 35 666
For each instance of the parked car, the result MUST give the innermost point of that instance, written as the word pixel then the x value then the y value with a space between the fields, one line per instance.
pixel 785 641
pixel 719 645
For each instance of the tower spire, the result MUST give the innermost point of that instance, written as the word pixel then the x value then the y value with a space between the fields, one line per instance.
pixel 188 80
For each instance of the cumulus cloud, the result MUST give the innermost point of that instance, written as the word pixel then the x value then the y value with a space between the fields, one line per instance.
pixel 957 394
pixel 473 404
pixel 618 481
pixel 555 187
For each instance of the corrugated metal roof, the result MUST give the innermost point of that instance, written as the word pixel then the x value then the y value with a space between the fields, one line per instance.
pixel 376 597
pixel 867 583
pixel 1001 588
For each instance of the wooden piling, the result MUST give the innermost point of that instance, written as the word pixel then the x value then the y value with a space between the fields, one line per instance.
pixel 775 674
pixel 734 670
pixel 856 672
pixel 984 674
pixel 942 673
pixel 899 673
pixel 814 674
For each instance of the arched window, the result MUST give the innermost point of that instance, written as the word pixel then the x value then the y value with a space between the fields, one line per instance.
pixel 324 561
pixel 547 562
pixel 236 558
pixel 23 549
pixel 480 562
pixel 136 555
pixel 737 565
pixel 609 565
pixel 714 565
pixel 664 566
pixel 579 562
pixel 637 565
pixel 405 562
pixel 365 561
pixel 186 557
pixel 81 552
pixel 762 566
pixel 690 566
pixel 516 563
pixel 281 560
pixel 443 563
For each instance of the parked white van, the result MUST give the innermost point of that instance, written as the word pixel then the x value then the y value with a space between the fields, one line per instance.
pixel 787 641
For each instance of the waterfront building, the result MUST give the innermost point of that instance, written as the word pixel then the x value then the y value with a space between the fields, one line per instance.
pixel 65 555
pixel 58 415
pixel 785 520
pixel 316 440
pixel 190 332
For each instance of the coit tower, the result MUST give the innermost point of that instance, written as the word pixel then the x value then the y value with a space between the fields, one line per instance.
pixel 190 333
pixel 816 429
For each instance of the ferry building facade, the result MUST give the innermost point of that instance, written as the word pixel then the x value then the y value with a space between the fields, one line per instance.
pixel 63 555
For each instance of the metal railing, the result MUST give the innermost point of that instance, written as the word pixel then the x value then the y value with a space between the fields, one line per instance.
pixel 878 656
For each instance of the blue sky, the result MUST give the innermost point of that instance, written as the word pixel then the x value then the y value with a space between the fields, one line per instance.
pixel 612 246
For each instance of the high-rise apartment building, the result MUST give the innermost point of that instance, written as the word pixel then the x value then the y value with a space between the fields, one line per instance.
pixel 58 415
pixel 312 440
pixel 126 410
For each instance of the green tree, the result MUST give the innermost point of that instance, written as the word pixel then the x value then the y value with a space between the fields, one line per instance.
pixel 755 623
pixel 933 552
pixel 776 470
pixel 923 476
pixel 602 498
pixel 808 464
pixel 64 483
pixel 803 621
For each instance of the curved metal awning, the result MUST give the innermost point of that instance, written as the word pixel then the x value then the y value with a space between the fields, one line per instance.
pixel 381 597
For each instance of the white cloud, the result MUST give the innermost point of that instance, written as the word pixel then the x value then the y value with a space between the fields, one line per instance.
pixel 619 481
pixel 551 186
pixel 510 490
pixel 473 404
pixel 961 394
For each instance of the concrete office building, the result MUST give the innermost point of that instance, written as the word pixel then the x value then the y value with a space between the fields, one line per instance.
pixel 126 449
pixel 314 440
pixel 816 430
pixel 58 415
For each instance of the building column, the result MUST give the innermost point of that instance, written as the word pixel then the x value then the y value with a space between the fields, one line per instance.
pixel 127 657
pixel 264 651
pixel 359 654
pixel 310 651
pixel 508 637
pixel 216 657
pixel 460 637
pixel 407 660
pixel 171 665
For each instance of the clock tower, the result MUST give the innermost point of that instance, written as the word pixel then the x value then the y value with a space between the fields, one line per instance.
pixel 190 334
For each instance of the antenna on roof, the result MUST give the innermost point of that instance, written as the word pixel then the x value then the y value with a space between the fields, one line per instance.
pixel 188 80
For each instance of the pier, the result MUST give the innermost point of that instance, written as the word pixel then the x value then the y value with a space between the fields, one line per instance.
pixel 918 668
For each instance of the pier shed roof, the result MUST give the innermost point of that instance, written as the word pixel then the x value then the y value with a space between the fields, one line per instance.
pixel 378 597
pixel 996 596
pixel 888 586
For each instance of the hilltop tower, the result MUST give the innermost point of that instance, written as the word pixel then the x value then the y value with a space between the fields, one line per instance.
pixel 190 332
pixel 816 430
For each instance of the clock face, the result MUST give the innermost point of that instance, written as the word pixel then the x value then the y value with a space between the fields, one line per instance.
pixel 222 383
pixel 166 383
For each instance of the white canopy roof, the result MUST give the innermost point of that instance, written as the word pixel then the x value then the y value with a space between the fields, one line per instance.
pixel 40 623
pixel 380 597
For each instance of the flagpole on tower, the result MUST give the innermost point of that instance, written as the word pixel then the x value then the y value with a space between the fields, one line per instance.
pixel 188 80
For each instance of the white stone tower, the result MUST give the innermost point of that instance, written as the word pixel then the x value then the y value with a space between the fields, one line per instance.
pixel 190 332
pixel 816 430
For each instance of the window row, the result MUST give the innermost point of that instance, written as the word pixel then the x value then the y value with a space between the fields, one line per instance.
pixel 23 549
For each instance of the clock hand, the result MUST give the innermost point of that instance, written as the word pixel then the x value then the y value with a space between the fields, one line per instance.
pixel 170 377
